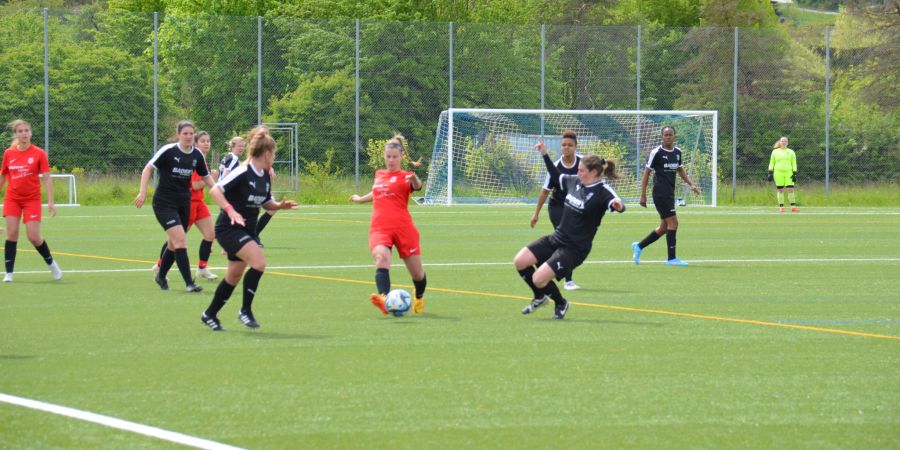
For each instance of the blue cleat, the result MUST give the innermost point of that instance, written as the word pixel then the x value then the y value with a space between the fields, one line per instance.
pixel 636 252
pixel 676 262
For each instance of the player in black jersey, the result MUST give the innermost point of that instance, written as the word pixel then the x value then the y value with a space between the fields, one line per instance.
pixel 567 164
pixel 229 162
pixel 175 162
pixel 665 162
pixel 587 198
pixel 241 194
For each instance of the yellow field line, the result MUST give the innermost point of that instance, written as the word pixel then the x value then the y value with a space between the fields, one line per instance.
pixel 519 297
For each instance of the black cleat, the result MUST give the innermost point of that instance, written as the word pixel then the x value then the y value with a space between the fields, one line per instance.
pixel 212 322
pixel 559 312
pixel 162 282
pixel 194 287
pixel 246 318
pixel 535 304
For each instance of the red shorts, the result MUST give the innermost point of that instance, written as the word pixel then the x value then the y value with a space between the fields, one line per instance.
pixel 199 211
pixel 405 239
pixel 28 210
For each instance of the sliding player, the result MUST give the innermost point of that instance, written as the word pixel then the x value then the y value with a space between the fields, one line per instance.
pixel 241 194
pixel 24 164
pixel 176 162
pixel 567 164
pixel 783 170
pixel 587 198
pixel 665 162
pixel 392 225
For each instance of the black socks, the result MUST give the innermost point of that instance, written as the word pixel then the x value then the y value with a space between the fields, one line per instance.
pixel 651 238
pixel 9 253
pixel 420 287
pixel 670 240
pixel 223 293
pixel 251 282
pixel 44 250
pixel 383 281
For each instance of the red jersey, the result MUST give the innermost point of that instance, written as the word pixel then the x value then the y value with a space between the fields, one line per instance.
pixel 196 194
pixel 21 169
pixel 390 197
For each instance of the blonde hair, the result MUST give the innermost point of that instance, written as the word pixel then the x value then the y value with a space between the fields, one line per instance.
pixel 261 142
pixel 233 141
pixel 778 142
pixel 12 127
pixel 399 142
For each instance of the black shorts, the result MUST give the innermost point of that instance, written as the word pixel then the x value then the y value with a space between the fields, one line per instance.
pixel 556 213
pixel 169 216
pixel 665 206
pixel 563 260
pixel 233 239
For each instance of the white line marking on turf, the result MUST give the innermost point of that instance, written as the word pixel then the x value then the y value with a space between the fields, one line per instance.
pixel 112 422
pixel 507 263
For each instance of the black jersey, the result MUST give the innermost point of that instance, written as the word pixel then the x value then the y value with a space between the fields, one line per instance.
pixel 228 163
pixel 246 189
pixel 557 198
pixel 175 168
pixel 665 164
pixel 585 207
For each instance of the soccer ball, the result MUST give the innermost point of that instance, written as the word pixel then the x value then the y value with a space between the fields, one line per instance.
pixel 397 302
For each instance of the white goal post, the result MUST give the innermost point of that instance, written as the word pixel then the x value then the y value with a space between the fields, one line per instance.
pixel 486 156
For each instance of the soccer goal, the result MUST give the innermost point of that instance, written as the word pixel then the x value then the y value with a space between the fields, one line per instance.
pixel 486 156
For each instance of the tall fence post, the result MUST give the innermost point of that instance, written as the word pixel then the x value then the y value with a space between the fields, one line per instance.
pixel 356 113
pixel 543 68
pixel 827 110
pixel 47 81
pixel 450 124
pixel 637 103
pixel 155 85
pixel 734 113
pixel 258 70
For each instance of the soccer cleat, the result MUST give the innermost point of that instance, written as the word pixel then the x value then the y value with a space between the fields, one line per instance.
pixel 795 209
pixel 7 278
pixel 246 318
pixel 636 252
pixel 205 273
pixel 194 287
pixel 535 304
pixel 163 283
pixel 419 305
pixel 559 312
pixel 571 286
pixel 378 302
pixel 212 322
pixel 676 262
pixel 55 271
pixel 781 209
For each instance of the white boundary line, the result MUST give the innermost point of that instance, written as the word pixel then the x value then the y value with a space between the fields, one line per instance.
pixel 488 263
pixel 120 424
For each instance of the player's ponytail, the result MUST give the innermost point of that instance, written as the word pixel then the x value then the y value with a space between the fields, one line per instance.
pixel 261 142
pixel 12 127
pixel 603 167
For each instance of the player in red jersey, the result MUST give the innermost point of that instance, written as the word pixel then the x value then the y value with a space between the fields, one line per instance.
pixel 199 213
pixel 392 226
pixel 24 164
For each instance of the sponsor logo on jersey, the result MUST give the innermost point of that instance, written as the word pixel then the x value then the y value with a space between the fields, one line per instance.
pixel 574 201
pixel 673 165
pixel 256 199
pixel 177 159
pixel 182 172
pixel 393 179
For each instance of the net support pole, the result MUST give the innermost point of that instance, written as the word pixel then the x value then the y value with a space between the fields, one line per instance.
pixel 734 92
pixel 637 106
pixel 155 85
pixel 450 126
pixel 356 115
pixel 258 69
pixel 46 81
pixel 827 110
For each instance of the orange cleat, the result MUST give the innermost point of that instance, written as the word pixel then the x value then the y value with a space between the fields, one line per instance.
pixel 781 209
pixel 419 305
pixel 378 302
pixel 795 209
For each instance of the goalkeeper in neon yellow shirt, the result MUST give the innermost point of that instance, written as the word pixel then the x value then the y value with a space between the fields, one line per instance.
pixel 783 170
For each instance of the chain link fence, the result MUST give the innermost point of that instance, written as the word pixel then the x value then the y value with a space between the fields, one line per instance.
pixel 104 89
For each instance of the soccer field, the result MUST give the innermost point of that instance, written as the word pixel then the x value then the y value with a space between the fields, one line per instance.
pixel 784 332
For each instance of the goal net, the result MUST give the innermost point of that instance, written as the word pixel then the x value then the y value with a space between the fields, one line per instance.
pixel 486 156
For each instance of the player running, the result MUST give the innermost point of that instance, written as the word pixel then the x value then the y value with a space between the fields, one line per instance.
pixel 199 214
pixel 567 164
pixel 665 162
pixel 392 225
pixel 176 162
pixel 587 198
pixel 24 164
pixel 783 170
pixel 241 194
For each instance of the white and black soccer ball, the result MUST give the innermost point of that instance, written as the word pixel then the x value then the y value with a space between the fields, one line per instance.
pixel 398 302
